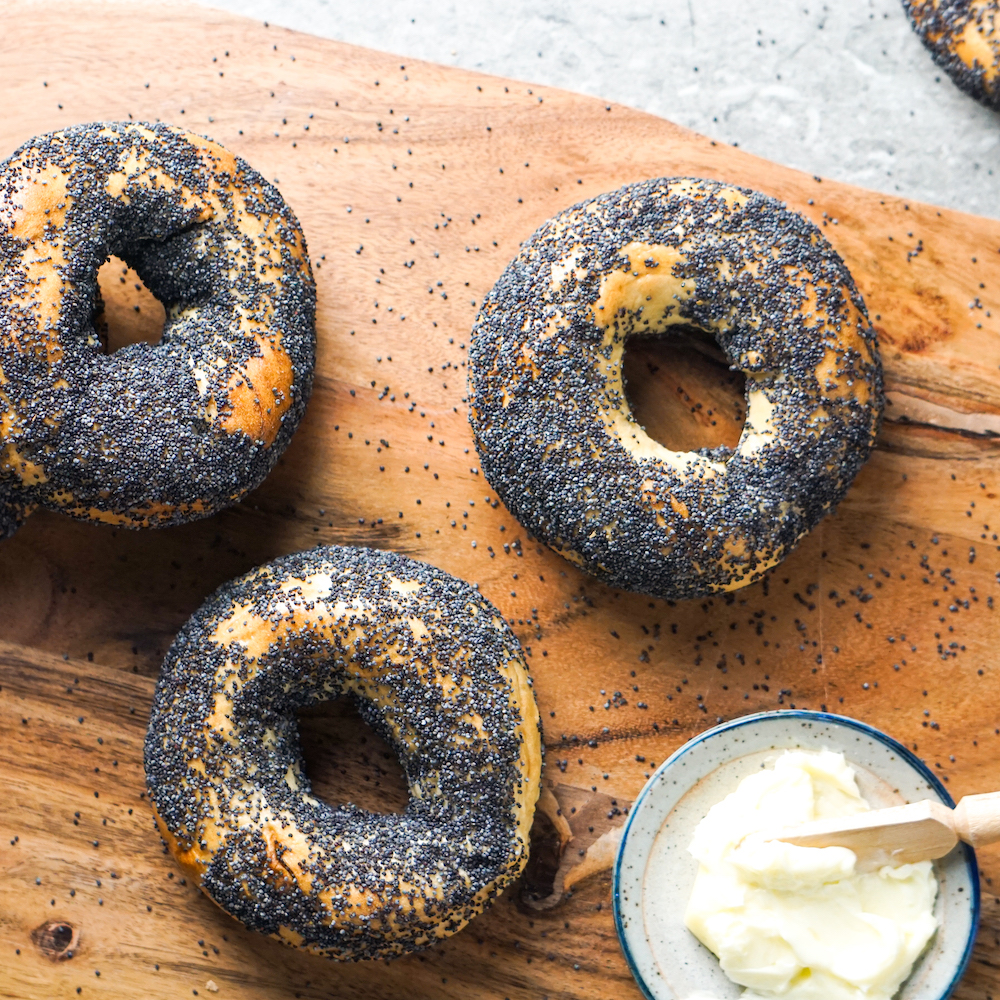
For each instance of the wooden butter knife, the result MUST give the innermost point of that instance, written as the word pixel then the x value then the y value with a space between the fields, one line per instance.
pixel 901 835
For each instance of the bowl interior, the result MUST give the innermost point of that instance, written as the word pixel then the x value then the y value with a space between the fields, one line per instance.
pixel 654 871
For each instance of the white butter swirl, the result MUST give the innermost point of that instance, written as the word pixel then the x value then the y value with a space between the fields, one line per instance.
pixel 798 922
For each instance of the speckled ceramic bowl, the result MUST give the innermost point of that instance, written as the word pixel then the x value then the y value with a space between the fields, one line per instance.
pixel 654 872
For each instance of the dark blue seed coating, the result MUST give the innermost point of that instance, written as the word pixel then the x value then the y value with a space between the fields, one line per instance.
pixel 552 424
pixel 147 436
pixel 964 38
pixel 433 669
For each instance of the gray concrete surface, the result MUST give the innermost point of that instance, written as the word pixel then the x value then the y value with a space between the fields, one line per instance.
pixel 844 89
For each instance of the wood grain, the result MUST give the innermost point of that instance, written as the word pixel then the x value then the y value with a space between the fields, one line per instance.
pixel 415 184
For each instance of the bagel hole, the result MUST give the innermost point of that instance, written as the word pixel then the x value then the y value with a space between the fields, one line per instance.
pixel 681 390
pixel 131 313
pixel 347 761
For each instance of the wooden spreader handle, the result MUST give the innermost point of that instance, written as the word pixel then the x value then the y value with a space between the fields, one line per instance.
pixel 976 819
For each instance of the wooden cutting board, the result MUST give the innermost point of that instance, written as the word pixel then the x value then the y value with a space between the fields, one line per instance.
pixel 415 184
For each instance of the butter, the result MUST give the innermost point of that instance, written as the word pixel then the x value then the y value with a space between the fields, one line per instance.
pixel 798 922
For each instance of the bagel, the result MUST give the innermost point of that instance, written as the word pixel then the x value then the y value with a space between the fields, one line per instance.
pixel 146 436
pixel 552 425
pixel 964 38
pixel 432 667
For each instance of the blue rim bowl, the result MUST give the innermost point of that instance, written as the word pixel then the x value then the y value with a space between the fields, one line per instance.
pixel 643 822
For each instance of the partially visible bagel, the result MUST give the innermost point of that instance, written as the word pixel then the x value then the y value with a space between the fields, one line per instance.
pixel 964 38
pixel 159 435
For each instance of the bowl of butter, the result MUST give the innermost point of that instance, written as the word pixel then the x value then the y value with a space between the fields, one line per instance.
pixel 709 907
